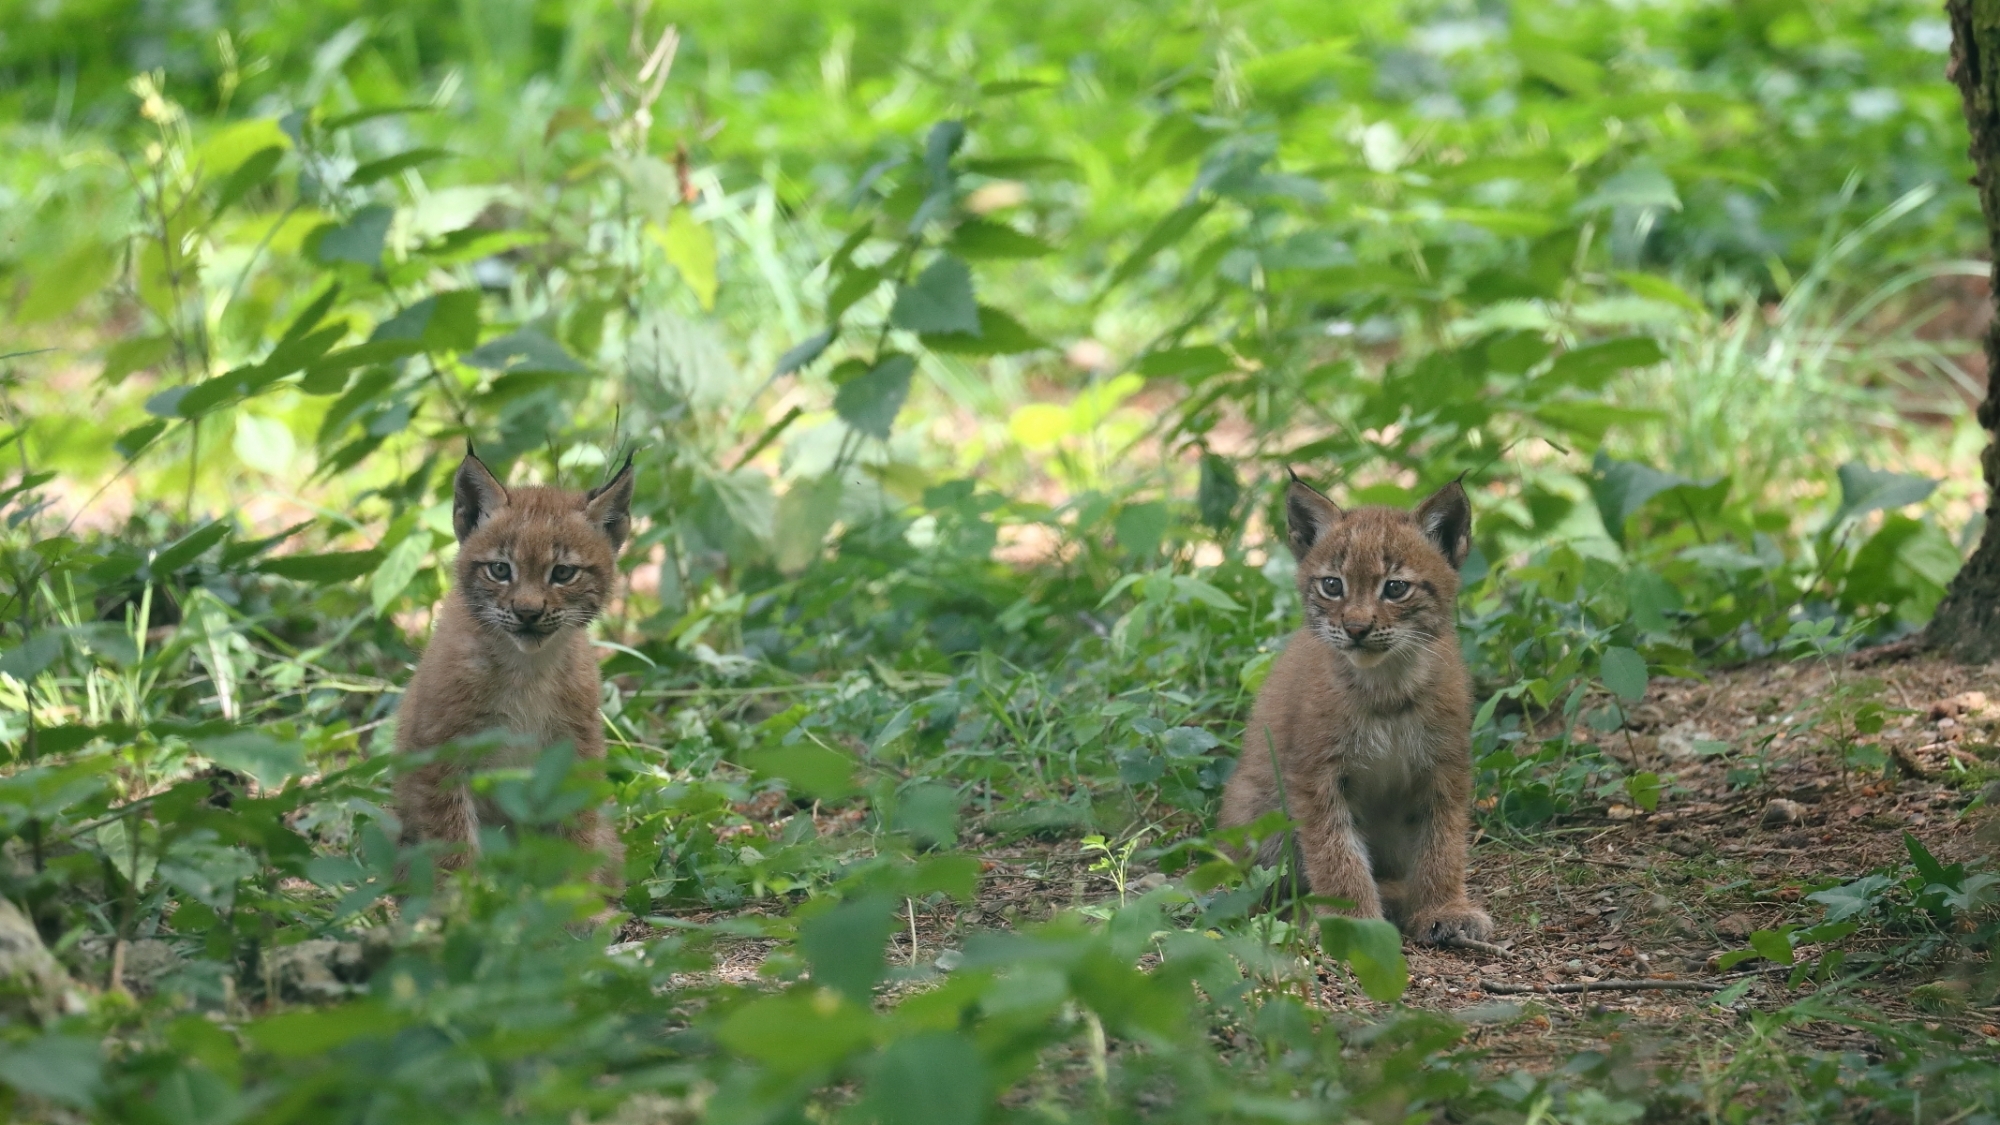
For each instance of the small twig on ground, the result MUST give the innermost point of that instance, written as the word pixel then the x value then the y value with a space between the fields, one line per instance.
pixel 1885 654
pixel 1505 989
pixel 1907 762
pixel 1473 943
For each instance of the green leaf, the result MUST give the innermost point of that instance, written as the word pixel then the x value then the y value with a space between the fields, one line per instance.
pixel 390 165
pixel 981 239
pixel 805 514
pixel 871 402
pixel 805 351
pixel 1861 896
pixel 1638 187
pixel 1644 789
pixel 1139 528
pixel 1621 488
pixel 63 283
pixel 999 334
pixel 939 300
pixel 61 1068
pixel 322 570
pixel 1592 366
pixel 130 443
pixel 1864 490
pixel 247 176
pixel 28 659
pixel 937 1078
pixel 397 571
pixel 447 321
pixel 806 768
pixel 1190 364
pixel 1372 948
pixel 264 444
pixel 798 1032
pixel 690 249
pixel 359 239
pixel 1218 491
pixel 304 1034
pixel 1774 945
pixel 929 813
pixel 844 946
pixel 136 354
pixel 524 350
pixel 1171 228
pixel 1624 672
pixel 187 548
pixel 271 761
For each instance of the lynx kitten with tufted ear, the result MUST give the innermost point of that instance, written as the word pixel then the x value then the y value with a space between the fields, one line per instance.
pixel 511 651
pixel 1362 732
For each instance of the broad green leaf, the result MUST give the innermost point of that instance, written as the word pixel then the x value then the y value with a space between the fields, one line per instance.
pixel 1644 789
pixel 397 571
pixel 135 354
pixel 314 1032
pixel 188 548
pixel 939 300
pixel 247 176
pixel 59 286
pixel 1656 288
pixel 234 145
pixel 844 945
pixel 28 659
pixel 1621 488
pixel 871 402
pixel 980 239
pixel 446 321
pixel 264 444
pixel 800 1031
pixel 1189 364
pixel 359 239
pixel 1864 490
pixel 1372 948
pixel 929 813
pixel 390 165
pixel 806 768
pixel 1592 366
pixel 805 514
pixel 325 569
pixel 270 760
pixel 999 334
pixel 1853 899
pixel 522 351
pixel 1171 228
pixel 1140 528
pixel 1217 491
pixel 804 352
pixel 64 1069
pixel 690 249
pixel 1774 945
pixel 1624 672
pixel 937 1078
pixel 1640 186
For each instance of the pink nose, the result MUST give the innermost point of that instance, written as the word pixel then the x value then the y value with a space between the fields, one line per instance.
pixel 1359 629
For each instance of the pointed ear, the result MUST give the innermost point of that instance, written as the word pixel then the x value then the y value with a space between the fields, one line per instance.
pixel 1446 520
pixel 475 495
pixel 1307 515
pixel 609 505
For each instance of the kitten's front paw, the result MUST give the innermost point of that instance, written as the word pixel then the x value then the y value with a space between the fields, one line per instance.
pixel 1444 925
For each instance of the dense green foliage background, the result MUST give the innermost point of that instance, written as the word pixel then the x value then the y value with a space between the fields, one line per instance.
pixel 961 347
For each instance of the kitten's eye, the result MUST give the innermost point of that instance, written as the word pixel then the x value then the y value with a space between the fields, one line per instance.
pixel 562 575
pixel 1332 587
pixel 1394 589
pixel 499 572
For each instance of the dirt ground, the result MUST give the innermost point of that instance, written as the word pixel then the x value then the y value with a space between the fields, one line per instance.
pixel 1615 893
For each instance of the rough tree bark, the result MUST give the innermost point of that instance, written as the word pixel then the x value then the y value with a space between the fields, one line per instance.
pixel 1967 624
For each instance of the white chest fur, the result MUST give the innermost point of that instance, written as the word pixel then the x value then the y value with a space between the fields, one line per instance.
pixel 1385 754
pixel 529 702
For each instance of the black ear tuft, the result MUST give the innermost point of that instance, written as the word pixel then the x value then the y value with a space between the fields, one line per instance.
pixel 1446 520
pixel 1307 515
pixel 475 494
pixel 609 505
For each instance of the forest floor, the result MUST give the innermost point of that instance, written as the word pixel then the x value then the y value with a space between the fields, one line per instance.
pixel 1755 809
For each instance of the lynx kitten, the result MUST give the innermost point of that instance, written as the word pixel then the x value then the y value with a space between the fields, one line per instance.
pixel 1362 732
pixel 511 651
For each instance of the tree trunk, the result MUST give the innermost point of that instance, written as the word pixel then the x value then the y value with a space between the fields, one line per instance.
pixel 1967 624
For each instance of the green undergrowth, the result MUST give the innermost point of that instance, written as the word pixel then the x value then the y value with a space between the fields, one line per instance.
pixel 962 352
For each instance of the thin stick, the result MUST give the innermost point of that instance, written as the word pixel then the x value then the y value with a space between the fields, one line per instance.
pixel 1505 989
pixel 1474 943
